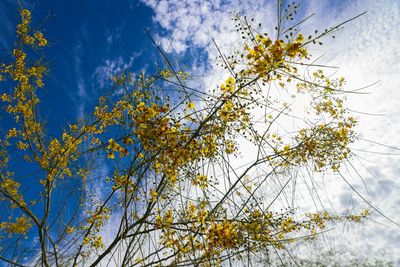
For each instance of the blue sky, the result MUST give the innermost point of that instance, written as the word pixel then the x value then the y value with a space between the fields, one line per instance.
pixel 90 40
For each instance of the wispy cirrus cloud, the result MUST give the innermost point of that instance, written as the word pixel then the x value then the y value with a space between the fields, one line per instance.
pixel 110 67
pixel 7 20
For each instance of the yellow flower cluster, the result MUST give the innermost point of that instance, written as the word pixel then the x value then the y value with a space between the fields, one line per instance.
pixel 266 56
pixel 229 86
pixel 166 74
pixel 41 40
pixel 23 30
pixel 200 181
pixel 123 182
pixel 12 133
pixel 223 235
pixel 113 146
pixel 96 219
pixel 164 221
pixel 260 229
pixel 94 241
pixel 20 226
pixel 10 188
pixel 22 102
pixel 324 145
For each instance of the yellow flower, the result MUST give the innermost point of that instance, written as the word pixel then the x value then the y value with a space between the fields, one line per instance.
pixel 20 226
pixel 153 195
pixel 12 133
pixel 70 230
pixel 141 106
pixel 201 181
pixel 25 14
pixel 21 145
pixel 300 38
pixel 98 242
pixel 230 81
pixel 85 241
pixel 39 37
pixel 190 105
pixel 5 98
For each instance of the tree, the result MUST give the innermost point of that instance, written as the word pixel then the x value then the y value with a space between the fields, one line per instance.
pixel 174 196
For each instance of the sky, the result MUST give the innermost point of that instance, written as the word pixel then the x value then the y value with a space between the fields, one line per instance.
pixel 91 40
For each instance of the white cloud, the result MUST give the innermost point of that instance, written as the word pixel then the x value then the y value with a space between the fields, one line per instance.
pixel 197 22
pixel 80 101
pixel 103 73
pixel 366 51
